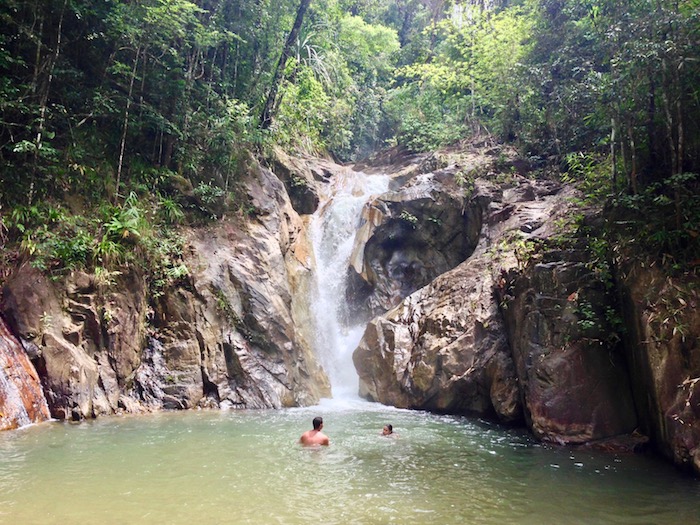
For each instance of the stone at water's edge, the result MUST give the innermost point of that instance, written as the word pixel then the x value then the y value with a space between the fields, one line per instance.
pixel 442 349
pixel 86 341
pixel 445 346
pixel 663 318
pixel 563 366
pixel 22 399
pixel 573 378
pixel 238 337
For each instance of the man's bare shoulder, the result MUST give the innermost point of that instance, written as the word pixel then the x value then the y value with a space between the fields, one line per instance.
pixel 311 438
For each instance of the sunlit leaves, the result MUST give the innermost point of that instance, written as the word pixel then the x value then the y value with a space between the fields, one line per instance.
pixel 368 48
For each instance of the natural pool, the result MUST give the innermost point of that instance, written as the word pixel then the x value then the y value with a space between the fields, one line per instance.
pixel 210 467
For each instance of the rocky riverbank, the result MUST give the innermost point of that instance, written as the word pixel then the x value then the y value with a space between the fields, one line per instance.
pixel 473 305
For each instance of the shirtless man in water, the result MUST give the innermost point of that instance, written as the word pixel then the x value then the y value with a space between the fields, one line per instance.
pixel 314 438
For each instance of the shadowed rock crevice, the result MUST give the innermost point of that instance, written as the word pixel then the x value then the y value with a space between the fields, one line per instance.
pixel 407 238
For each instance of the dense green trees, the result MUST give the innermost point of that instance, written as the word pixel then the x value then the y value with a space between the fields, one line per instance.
pixel 562 76
pixel 164 97
pixel 111 91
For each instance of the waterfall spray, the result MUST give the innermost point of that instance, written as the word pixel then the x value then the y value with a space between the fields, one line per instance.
pixel 333 230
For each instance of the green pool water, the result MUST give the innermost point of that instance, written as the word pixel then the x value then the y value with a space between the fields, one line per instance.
pixel 211 467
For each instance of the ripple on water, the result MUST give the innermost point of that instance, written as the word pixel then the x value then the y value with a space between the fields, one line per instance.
pixel 247 467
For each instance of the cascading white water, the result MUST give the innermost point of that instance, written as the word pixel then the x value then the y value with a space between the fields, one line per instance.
pixel 333 229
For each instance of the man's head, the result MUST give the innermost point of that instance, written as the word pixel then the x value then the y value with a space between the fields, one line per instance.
pixel 318 423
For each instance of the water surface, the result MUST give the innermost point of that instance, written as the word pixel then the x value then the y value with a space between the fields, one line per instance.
pixel 211 467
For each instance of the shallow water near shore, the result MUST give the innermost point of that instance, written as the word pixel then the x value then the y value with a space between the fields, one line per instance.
pixel 214 467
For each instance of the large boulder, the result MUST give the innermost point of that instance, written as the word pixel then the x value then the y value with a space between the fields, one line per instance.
pixel 442 349
pixel 301 178
pixel 662 344
pixel 571 368
pixel 235 334
pixel 407 238
pixel 22 400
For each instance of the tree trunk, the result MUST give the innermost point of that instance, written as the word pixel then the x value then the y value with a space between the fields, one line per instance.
pixel 271 102
pixel 613 152
pixel 408 16
pixel 37 57
pixel 633 159
pixel 679 124
pixel 125 127
pixel 259 46
pixel 666 97
pixel 45 94
pixel 651 116
pixel 679 149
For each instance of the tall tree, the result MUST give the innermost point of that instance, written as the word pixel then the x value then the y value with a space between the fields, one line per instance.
pixel 287 51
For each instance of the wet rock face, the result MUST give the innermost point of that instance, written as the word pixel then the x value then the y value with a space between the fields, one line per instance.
pixel 663 349
pixel 301 177
pixel 408 238
pixel 236 338
pixel 21 397
pixel 573 376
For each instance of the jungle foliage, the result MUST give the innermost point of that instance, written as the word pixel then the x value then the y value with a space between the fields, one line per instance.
pixel 155 105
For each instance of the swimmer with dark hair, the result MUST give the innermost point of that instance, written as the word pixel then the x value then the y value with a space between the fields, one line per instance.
pixel 388 431
pixel 314 437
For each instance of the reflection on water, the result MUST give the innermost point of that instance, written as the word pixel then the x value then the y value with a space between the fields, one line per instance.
pixel 246 467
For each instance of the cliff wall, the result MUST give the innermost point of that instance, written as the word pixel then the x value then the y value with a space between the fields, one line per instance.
pixel 235 332
pixel 473 306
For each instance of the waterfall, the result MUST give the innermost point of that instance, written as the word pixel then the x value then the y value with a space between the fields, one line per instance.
pixel 333 228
